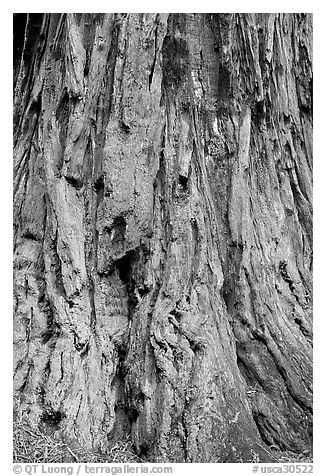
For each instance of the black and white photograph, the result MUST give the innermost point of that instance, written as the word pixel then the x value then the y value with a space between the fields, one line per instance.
pixel 162 236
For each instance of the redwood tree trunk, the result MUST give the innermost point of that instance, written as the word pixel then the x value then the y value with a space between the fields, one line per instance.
pixel 163 222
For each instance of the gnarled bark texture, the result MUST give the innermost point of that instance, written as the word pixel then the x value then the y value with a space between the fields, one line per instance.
pixel 162 213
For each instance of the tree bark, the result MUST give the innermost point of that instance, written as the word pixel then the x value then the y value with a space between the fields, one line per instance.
pixel 163 231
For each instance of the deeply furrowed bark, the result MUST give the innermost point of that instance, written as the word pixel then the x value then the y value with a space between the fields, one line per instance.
pixel 163 221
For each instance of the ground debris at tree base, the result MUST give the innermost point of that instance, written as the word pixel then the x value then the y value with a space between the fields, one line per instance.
pixel 31 445
pixel 290 457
